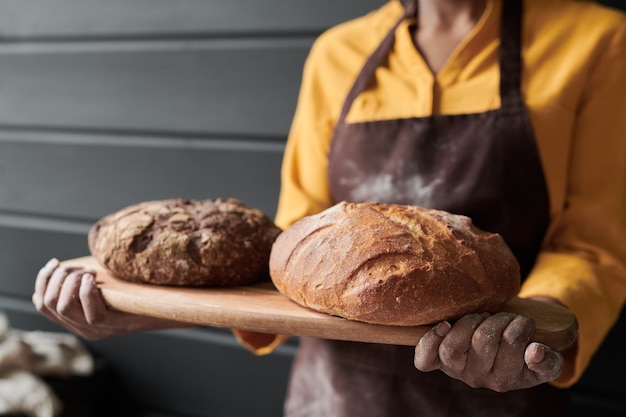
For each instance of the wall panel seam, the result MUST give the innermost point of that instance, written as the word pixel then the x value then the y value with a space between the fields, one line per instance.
pixel 44 223
pixel 175 45
pixel 139 139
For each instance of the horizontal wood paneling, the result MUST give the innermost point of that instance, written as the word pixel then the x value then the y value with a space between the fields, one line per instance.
pixel 199 378
pixel 24 251
pixel 123 18
pixel 238 87
pixel 93 178
pixel 28 19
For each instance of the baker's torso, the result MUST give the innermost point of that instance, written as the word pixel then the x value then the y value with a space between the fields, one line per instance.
pixel 483 165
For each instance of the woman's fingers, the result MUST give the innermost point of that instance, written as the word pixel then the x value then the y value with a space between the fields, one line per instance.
pixel 93 304
pixel 427 350
pixel 68 304
pixel 504 370
pixel 545 363
pixel 455 347
pixel 56 293
pixel 486 343
pixel 53 288
pixel 489 351
pixel 41 282
pixel 70 297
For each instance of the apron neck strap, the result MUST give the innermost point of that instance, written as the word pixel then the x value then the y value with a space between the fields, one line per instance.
pixel 375 59
pixel 510 55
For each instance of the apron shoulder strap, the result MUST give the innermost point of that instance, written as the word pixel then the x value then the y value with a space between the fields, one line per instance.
pixel 511 53
pixel 374 60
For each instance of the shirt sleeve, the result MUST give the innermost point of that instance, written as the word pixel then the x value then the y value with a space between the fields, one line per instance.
pixel 304 181
pixel 582 263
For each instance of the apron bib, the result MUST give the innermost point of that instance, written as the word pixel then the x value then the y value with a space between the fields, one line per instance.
pixel 485 166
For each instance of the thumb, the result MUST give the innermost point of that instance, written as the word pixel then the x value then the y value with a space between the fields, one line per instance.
pixel 546 363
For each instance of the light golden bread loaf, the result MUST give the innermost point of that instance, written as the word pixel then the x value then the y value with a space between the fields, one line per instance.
pixel 393 265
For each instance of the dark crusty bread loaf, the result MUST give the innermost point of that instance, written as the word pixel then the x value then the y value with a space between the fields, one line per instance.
pixel 219 242
pixel 393 265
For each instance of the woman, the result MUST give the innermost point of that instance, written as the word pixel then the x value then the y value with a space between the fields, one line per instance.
pixel 507 111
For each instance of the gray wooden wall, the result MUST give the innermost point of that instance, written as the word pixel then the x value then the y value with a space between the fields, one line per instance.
pixel 104 103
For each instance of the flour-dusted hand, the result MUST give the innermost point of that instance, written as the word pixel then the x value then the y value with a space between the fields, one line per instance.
pixel 69 296
pixel 489 351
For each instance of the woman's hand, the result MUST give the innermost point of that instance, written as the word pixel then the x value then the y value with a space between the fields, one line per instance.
pixel 489 351
pixel 70 297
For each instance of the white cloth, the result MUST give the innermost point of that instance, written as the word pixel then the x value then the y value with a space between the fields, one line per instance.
pixel 26 357
pixel 25 393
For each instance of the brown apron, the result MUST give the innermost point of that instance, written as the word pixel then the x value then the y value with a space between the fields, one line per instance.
pixel 483 165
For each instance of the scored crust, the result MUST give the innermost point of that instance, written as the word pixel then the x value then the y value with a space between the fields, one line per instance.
pixel 392 264
pixel 183 242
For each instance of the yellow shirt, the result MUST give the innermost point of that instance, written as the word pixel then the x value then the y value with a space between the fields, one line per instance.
pixel 574 85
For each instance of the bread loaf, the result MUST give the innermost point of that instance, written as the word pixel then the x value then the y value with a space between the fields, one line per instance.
pixel 183 242
pixel 393 265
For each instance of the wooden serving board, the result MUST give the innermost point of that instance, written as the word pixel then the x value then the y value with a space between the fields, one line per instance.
pixel 262 308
